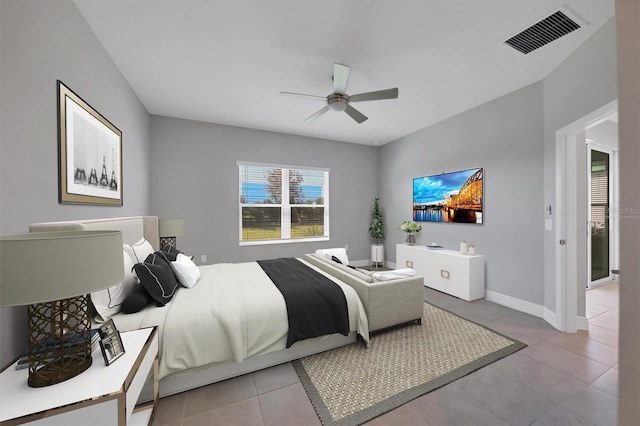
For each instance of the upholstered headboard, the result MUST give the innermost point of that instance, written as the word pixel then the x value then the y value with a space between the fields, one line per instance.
pixel 133 228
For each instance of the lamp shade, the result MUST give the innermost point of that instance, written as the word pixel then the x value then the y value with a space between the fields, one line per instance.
pixel 46 266
pixel 173 227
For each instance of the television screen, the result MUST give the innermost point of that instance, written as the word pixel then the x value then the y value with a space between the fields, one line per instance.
pixel 449 197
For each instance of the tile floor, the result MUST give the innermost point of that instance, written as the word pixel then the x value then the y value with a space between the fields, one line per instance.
pixel 559 379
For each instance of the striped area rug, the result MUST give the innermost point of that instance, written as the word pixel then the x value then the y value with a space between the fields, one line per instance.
pixel 353 384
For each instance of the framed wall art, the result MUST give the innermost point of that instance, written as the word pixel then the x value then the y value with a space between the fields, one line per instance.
pixel 450 197
pixel 90 153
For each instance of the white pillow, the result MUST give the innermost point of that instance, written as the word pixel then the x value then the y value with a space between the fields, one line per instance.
pixel 366 272
pixel 340 253
pixel 364 277
pixel 139 251
pixel 185 271
pixel 394 274
pixel 108 302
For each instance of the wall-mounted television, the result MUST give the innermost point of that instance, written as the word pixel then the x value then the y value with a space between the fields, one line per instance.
pixel 449 197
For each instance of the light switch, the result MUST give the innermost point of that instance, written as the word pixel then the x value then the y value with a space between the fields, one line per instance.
pixel 548 224
pixel 409 264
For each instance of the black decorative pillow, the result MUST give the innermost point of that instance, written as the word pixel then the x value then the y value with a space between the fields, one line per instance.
pixel 155 259
pixel 335 259
pixel 172 250
pixel 161 257
pixel 158 280
pixel 137 300
pixel 169 256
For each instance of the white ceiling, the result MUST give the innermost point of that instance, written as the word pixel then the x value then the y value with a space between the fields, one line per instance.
pixel 227 61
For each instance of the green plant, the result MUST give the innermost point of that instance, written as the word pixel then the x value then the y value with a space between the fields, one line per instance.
pixel 376 227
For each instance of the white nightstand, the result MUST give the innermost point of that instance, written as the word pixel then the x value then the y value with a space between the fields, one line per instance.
pixel 99 396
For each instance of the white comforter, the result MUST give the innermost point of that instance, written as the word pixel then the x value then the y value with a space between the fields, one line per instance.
pixel 233 312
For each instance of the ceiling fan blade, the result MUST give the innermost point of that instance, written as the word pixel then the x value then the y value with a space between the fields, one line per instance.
pixel 374 96
pixel 302 95
pixel 340 77
pixel 355 114
pixel 318 114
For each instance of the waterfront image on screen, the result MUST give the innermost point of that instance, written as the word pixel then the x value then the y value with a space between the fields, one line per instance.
pixel 449 197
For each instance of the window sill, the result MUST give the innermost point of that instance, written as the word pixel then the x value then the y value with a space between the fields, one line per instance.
pixel 287 241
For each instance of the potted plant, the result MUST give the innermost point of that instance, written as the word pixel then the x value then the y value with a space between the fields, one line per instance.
pixel 410 228
pixel 376 230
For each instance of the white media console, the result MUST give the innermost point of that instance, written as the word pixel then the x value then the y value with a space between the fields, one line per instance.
pixel 449 271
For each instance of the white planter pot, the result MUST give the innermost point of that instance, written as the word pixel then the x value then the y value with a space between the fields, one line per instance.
pixel 377 254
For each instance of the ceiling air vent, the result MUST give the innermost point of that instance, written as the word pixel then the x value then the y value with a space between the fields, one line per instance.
pixel 549 29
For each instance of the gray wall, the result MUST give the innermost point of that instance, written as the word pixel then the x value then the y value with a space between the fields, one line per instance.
pixel 505 137
pixel 581 84
pixel 584 82
pixel 41 42
pixel 195 176
pixel 605 134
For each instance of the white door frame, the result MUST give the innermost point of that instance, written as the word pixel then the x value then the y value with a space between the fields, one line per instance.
pixel 566 249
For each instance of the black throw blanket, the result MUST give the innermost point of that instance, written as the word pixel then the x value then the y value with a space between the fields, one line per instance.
pixel 315 305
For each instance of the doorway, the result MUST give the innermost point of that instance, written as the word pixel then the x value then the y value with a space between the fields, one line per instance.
pixel 602 239
pixel 572 217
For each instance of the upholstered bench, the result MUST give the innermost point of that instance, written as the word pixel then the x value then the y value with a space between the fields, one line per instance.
pixel 387 303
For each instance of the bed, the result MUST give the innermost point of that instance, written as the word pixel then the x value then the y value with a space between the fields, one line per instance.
pixel 198 345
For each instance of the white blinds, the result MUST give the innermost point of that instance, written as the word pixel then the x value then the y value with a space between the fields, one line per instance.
pixel 599 195
pixel 282 203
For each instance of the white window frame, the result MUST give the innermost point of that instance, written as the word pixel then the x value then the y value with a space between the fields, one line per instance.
pixel 285 206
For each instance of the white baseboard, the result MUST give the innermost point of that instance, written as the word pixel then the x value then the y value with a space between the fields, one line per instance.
pixel 551 318
pixel 513 303
pixel 582 323
pixel 531 308
pixel 508 301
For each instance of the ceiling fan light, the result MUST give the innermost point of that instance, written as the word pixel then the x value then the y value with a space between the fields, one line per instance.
pixel 338 106
pixel 338 102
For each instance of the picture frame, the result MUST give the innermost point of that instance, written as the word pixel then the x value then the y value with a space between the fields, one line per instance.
pixel 107 329
pixel 89 153
pixel 110 342
pixel 451 197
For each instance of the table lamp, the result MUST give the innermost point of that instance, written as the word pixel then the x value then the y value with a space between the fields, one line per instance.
pixel 52 272
pixel 168 230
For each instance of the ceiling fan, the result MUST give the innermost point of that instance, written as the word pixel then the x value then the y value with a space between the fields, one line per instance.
pixel 340 101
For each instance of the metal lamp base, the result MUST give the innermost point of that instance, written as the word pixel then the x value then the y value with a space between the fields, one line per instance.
pixel 59 340
pixel 166 242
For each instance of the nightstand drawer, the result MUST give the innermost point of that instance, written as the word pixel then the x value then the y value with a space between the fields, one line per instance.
pixel 105 413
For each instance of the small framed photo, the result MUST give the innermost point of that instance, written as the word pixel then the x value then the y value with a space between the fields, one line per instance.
pixel 110 342
pixel 107 329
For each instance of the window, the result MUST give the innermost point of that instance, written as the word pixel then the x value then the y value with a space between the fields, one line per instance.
pixel 280 204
